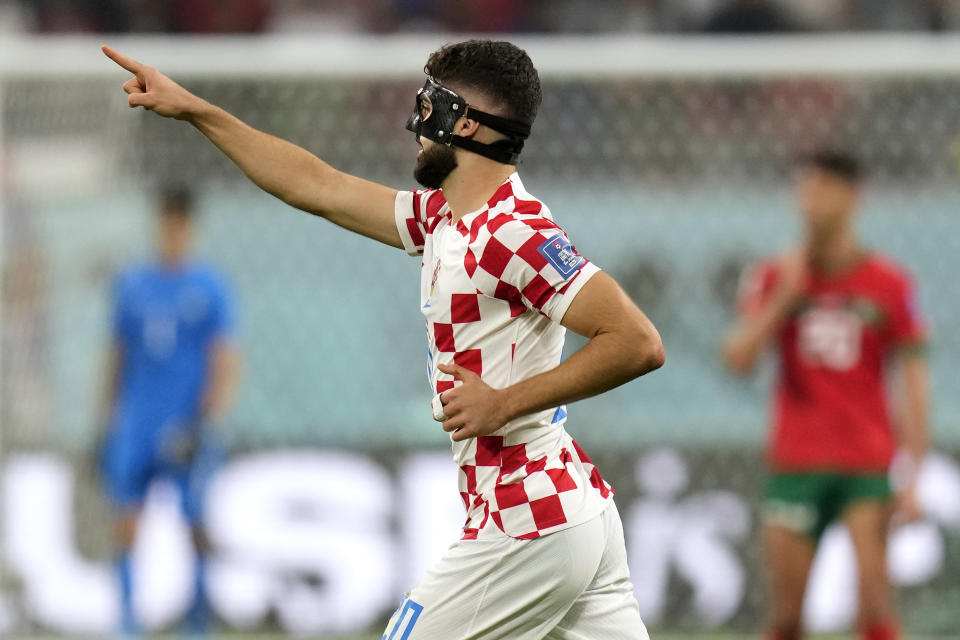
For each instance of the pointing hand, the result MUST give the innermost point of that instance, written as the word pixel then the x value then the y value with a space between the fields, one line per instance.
pixel 150 89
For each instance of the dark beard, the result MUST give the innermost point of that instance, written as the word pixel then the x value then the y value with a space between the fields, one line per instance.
pixel 434 165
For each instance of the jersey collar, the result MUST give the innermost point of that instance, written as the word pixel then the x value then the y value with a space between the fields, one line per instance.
pixel 507 188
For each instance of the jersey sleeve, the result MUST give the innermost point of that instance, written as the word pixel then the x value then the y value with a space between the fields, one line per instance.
pixel 416 214
pixel 531 264
pixel 756 283
pixel 907 325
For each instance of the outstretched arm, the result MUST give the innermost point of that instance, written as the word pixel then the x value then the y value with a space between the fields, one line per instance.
pixel 280 168
pixel 623 345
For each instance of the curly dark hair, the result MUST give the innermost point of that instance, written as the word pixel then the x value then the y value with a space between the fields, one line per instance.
pixel 500 70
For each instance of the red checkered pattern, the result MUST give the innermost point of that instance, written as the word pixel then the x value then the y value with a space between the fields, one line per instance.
pixel 494 287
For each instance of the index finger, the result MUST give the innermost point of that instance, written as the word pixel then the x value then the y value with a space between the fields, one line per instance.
pixel 455 370
pixel 459 434
pixel 126 62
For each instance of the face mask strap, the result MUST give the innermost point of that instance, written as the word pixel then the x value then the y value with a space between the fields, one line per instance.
pixel 512 128
pixel 502 151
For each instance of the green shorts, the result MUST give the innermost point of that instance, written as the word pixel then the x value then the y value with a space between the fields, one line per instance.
pixel 808 502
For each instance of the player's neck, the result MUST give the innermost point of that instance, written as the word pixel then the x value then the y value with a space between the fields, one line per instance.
pixel 837 252
pixel 473 183
pixel 174 262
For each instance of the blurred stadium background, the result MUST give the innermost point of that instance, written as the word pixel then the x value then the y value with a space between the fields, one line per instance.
pixel 665 152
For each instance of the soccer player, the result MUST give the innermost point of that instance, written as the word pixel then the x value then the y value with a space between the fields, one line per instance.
pixel 542 551
pixel 844 319
pixel 171 376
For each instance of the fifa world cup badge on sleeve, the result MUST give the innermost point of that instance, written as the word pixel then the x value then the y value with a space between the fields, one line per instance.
pixel 561 255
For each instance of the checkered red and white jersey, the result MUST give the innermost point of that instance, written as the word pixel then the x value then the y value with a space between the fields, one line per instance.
pixel 493 289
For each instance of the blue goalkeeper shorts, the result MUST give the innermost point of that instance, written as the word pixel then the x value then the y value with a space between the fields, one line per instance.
pixel 131 460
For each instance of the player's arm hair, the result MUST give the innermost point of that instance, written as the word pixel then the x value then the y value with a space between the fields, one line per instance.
pixel 912 403
pixel 622 345
pixel 300 178
pixel 222 379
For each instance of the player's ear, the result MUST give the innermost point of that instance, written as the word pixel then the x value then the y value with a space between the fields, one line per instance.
pixel 466 127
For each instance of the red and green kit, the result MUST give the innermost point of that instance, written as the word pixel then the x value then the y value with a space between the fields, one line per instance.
pixel 830 408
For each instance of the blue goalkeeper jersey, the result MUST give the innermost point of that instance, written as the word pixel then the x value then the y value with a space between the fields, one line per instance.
pixel 165 320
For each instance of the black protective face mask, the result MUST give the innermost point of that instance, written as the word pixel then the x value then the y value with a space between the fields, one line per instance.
pixel 437 110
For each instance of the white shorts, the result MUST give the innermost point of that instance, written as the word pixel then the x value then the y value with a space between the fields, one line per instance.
pixel 570 585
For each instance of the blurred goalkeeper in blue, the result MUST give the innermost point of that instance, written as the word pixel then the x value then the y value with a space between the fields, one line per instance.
pixel 172 370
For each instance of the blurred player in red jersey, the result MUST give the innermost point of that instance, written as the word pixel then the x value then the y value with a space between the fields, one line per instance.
pixel 542 553
pixel 841 317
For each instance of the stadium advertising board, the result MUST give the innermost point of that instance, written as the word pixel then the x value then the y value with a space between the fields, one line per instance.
pixel 323 542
